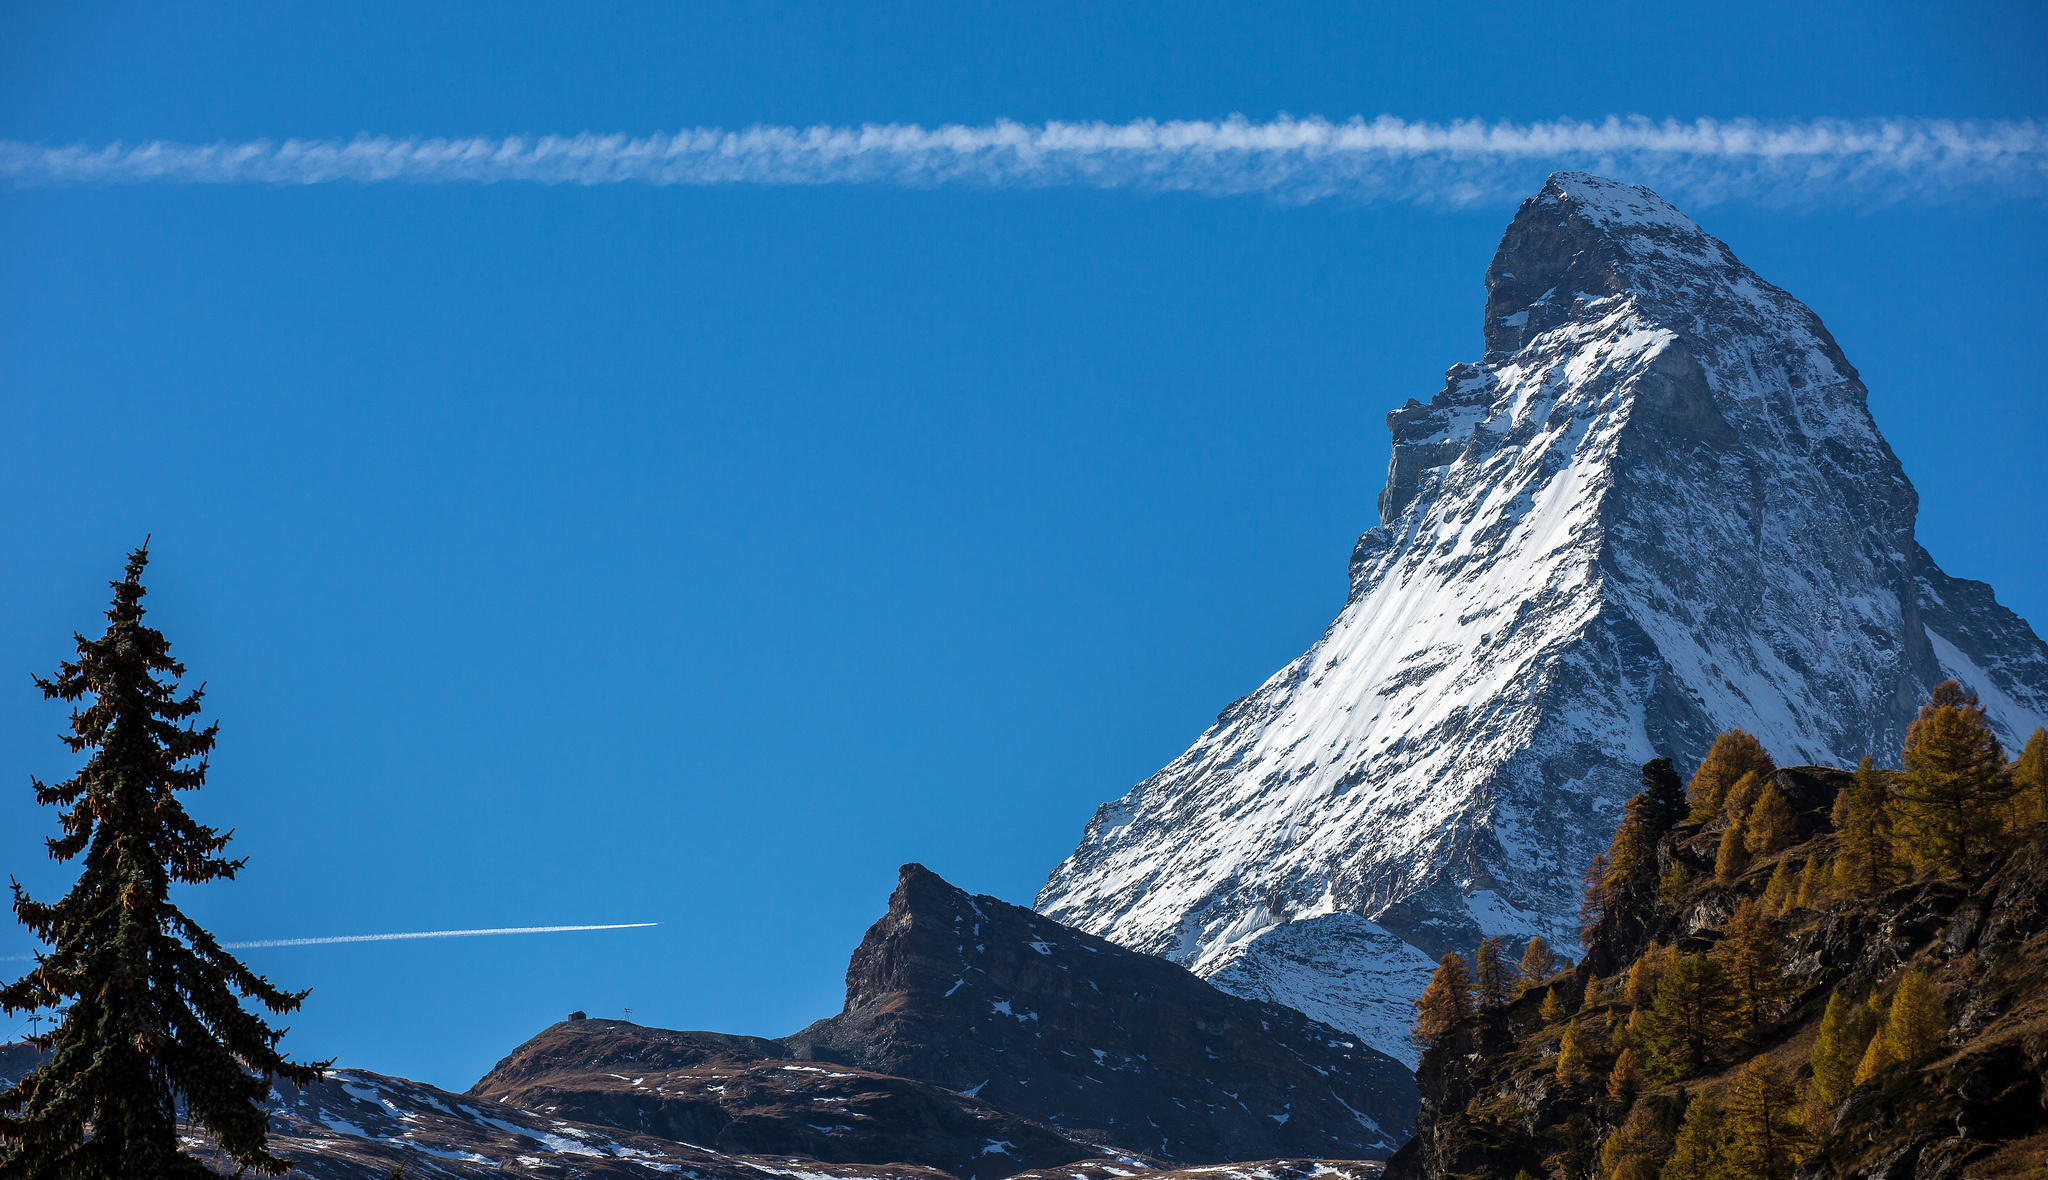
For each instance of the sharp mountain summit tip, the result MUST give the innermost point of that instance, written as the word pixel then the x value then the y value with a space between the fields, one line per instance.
pixel 1657 508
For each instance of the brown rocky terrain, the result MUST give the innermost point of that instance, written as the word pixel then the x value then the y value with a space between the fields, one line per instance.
pixel 357 1125
pixel 1105 1044
pixel 744 1095
pixel 1493 1104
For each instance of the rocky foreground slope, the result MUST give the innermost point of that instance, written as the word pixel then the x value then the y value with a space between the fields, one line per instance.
pixel 1497 1101
pixel 746 1095
pixel 1657 507
pixel 358 1125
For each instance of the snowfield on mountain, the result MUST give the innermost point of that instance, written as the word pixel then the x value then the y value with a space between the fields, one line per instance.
pixel 1657 508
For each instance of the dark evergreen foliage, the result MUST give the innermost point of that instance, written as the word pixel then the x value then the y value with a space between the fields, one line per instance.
pixel 153 1019
pixel 1663 797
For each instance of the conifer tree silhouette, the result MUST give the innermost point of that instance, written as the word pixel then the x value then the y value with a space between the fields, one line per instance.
pixel 1494 976
pixel 153 1020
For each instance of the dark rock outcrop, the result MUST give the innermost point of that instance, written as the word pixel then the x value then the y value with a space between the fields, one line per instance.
pixel 1108 1045
pixel 744 1095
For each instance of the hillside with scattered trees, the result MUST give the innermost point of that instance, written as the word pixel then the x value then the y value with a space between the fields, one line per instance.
pixel 1787 974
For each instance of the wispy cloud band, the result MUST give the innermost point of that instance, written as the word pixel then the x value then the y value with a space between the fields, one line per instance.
pixel 1451 164
pixel 268 942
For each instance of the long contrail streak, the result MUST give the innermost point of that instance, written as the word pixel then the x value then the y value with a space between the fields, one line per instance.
pixel 267 942
pixel 1704 161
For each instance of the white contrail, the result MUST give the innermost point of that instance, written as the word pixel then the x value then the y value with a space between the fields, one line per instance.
pixel 243 946
pixel 1451 164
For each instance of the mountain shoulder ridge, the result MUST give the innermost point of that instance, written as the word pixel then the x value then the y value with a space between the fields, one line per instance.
pixel 1109 1045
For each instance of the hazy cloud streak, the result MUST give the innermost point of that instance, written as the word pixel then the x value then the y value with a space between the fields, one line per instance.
pixel 267 942
pixel 1294 160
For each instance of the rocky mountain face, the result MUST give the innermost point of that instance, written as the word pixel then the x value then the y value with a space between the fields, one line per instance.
pixel 1656 508
pixel 1109 1046
pixel 745 1095
pixel 1494 1102
pixel 357 1125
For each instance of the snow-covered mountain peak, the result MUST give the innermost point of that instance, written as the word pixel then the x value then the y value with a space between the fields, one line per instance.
pixel 1657 508
pixel 1615 206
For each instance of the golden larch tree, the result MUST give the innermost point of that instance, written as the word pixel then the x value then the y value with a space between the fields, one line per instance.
pixel 1752 958
pixel 1445 1003
pixel 1948 802
pixel 1770 824
pixel 1916 1024
pixel 1766 1139
pixel 1845 1031
pixel 1864 863
pixel 1733 754
pixel 1538 963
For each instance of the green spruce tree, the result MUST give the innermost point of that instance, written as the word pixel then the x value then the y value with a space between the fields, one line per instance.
pixel 1494 977
pixel 153 1018
pixel 1663 796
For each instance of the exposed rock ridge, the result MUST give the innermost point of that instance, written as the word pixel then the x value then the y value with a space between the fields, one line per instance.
pixel 748 1096
pixel 1109 1046
pixel 1657 507
pixel 358 1125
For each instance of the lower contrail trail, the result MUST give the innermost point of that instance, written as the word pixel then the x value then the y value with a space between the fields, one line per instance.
pixel 242 946
pixel 1704 161
pixel 267 942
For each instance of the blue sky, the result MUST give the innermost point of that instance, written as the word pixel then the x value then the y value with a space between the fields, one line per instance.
pixel 564 554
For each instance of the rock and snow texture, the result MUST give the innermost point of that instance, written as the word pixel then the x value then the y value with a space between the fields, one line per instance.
pixel 1111 1048
pixel 1656 509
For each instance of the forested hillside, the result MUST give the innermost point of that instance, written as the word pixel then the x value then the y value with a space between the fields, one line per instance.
pixel 1800 972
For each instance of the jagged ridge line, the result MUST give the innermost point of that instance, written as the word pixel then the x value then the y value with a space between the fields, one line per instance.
pixel 1458 163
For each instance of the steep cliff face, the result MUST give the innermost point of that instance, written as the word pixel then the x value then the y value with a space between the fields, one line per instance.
pixel 1107 1046
pixel 1657 507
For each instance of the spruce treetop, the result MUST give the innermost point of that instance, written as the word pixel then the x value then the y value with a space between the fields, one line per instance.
pixel 153 1020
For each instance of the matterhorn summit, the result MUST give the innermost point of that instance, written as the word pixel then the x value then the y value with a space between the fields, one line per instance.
pixel 1656 509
